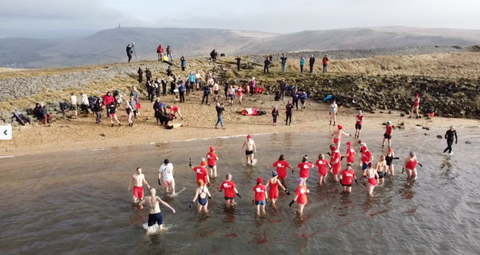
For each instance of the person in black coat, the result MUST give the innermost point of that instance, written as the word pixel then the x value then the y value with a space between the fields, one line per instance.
pixel 311 62
pixel 129 52
pixel 266 66
pixel 140 75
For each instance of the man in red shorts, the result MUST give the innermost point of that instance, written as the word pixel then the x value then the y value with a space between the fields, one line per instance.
pixel 138 180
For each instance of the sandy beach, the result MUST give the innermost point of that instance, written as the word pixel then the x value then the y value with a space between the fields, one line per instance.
pixel 70 134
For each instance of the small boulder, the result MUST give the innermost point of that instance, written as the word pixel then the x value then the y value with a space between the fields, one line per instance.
pixel 439 137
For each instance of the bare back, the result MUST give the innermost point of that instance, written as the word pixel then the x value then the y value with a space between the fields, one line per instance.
pixel 153 204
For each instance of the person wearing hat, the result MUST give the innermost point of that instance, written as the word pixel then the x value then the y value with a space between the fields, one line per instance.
pixel 347 177
pixel 167 174
pixel 358 124
pixel 322 164
pixel 230 191
pixel 337 136
pixel 416 106
pixel 449 135
pixel 201 171
pixel 260 195
pixel 274 183
pixel 250 149
pixel 388 134
pixel 366 159
pixel 350 153
pixel 300 196
pixel 335 162
pixel 201 195
pixel 212 162
pixel 372 177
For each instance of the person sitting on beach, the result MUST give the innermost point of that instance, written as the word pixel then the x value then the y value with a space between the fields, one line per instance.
pixel 230 191
pixel 155 215
pixel 201 195
pixel 166 174
pixel 138 179
pixel 40 111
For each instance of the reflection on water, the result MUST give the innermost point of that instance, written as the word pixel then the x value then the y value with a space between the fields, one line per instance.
pixel 79 203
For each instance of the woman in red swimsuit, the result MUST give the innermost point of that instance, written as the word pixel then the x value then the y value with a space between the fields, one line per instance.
pixel 416 105
pixel 410 165
pixel 372 177
pixel 274 183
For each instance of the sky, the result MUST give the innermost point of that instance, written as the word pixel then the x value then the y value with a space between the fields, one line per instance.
pixel 277 16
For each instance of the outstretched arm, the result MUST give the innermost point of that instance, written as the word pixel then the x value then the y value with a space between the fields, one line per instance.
pixel 165 204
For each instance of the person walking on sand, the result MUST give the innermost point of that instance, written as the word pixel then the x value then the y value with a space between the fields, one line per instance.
pixel 230 191
pixel 388 134
pixel 166 174
pixel 129 110
pixel 281 166
pixel 411 165
pixel 238 59
pixel 240 94
pixel 358 124
pixel 302 63
pixel 335 162
pixel 322 164
pixel 275 115
pixel 73 100
pixel 333 112
pixel 260 196
pixel 337 136
pixel 138 179
pixel 206 93
pixel 113 115
pixel 273 183
pixel 220 109
pixel 372 177
pixel 350 153
pixel 289 113
pixel 155 215
pixel 325 62
pixel 300 196
pixel 311 62
pixel 201 171
pixel 449 135
pixel 347 177
pixel 283 60
pixel 416 106
pixel 202 195
pixel 250 149
pixel 212 162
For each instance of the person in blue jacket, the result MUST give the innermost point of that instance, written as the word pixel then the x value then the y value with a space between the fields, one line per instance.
pixel 302 63
pixel 183 63
pixel 181 91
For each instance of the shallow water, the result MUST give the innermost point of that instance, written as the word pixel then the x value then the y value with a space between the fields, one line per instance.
pixel 78 203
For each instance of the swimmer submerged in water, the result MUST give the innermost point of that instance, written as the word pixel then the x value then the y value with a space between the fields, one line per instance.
pixel 155 215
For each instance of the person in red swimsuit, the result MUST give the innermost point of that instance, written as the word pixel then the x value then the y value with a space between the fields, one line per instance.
pixel 202 173
pixel 350 153
pixel 322 164
pixel 335 162
pixel 240 94
pixel 260 195
pixel 230 191
pixel 416 106
pixel 300 196
pixel 212 162
pixel 347 177
pixel 274 183
pixel 358 124
pixel 304 167
pixel 337 136
pixel 411 165
pixel 372 177
pixel 388 134
pixel 281 167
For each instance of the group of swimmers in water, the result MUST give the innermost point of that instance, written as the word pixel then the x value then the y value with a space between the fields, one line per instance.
pixel 374 174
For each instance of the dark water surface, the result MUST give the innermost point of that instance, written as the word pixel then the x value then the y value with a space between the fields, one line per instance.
pixel 78 203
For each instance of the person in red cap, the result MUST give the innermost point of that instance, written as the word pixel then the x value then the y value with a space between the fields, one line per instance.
pixel 201 171
pixel 372 177
pixel 388 134
pixel 250 149
pixel 304 167
pixel 212 162
pixel 335 162
pixel 347 177
pixel 358 124
pixel 230 191
pixel 337 136
pixel 260 195
pixel 350 153
pixel 300 196
pixel 322 164
pixel 281 166
pixel 416 105
pixel 366 159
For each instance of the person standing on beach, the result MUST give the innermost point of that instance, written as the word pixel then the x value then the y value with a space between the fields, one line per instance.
pixel 283 88
pixel 166 174
pixel 238 59
pixel 181 91
pixel 388 134
pixel 240 94
pixel 358 124
pixel 260 195
pixel 250 149
pixel 252 86
pixel 281 166
pixel 449 135
pixel 337 136
pixel 113 114
pixel 273 183
pixel 333 112
pixel 283 62
pixel 230 191
pixel 202 195
pixel 220 110
pixel 108 99
pixel 275 115
pixel 266 65
pixel 159 52
pixel 206 93
pixel 311 62
pixel 347 177
pixel 84 102
pixel 302 63
pixel 325 62
pixel 192 81
pixel 138 179
pixel 148 74
pixel 215 90
pixel 322 164
pixel 155 215
pixel 416 106
pixel 169 53
pixel 97 107
pixel 73 100
pixel 129 110
pixel 300 196
pixel 212 162
pixel 289 113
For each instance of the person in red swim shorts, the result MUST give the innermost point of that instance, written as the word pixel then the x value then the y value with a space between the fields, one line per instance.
pixel 322 165
pixel 281 167
pixel 138 179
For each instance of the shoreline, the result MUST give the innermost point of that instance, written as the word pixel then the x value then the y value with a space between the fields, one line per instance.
pixel 83 134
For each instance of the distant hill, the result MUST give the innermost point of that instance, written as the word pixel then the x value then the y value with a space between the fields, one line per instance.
pixel 108 46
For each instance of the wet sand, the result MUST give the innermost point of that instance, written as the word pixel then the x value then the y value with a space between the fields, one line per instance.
pixel 82 133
